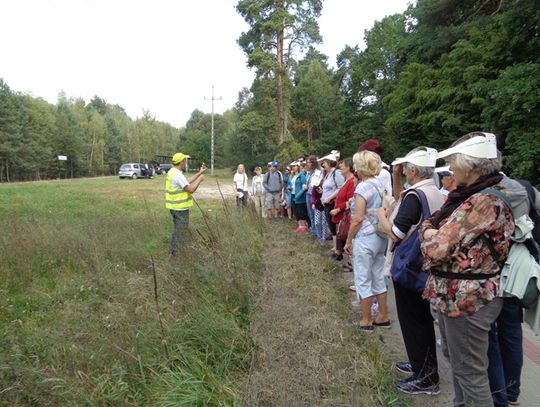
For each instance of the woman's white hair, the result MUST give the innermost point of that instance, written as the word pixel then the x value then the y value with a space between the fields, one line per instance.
pixel 421 172
pixel 481 166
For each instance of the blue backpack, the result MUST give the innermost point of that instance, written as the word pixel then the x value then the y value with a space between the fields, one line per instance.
pixel 406 267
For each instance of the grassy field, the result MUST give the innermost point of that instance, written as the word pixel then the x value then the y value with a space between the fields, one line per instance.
pixel 248 314
pixel 80 323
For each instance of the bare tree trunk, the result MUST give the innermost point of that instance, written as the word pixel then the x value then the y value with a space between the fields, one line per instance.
pixel 279 103
pixel 7 171
pixel 91 156
pixel 309 135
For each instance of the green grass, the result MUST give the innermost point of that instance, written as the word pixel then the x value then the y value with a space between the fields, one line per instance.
pixel 78 318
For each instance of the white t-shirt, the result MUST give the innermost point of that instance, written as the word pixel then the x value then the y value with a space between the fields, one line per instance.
pixel 293 182
pixel 386 180
pixel 315 178
pixel 179 181
pixel 241 181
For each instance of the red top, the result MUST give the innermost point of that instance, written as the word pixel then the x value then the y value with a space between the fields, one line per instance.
pixel 345 193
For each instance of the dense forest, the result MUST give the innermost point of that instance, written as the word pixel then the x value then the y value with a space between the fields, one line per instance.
pixel 424 77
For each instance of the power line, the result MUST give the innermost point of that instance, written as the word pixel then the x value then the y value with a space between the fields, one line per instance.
pixel 212 142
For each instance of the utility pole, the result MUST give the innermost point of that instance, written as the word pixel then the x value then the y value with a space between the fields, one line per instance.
pixel 212 142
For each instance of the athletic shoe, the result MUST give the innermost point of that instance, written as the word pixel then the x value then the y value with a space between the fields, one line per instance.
pixel 352 288
pixel 303 229
pixel 513 402
pixel 419 386
pixel 403 367
pixel 297 230
pixel 401 382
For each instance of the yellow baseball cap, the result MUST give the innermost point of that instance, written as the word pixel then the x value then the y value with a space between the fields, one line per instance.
pixel 179 157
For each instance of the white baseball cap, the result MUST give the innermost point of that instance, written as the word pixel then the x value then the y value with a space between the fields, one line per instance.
pixel 426 157
pixel 482 146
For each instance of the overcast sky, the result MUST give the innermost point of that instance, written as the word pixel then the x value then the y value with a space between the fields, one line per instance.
pixel 158 55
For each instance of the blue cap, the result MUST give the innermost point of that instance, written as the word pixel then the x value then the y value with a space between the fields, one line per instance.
pixel 274 164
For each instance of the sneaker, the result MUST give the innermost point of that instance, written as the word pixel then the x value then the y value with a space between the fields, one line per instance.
pixel 352 288
pixel 513 402
pixel 419 386
pixel 303 229
pixel 401 382
pixel 403 367
pixel 355 303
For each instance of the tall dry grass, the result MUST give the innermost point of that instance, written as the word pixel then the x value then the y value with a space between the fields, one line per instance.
pixel 79 320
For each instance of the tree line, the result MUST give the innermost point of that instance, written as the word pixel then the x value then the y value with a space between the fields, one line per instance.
pixel 426 76
pixel 96 137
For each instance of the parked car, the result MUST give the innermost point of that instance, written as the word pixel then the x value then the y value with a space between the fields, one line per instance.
pixel 164 168
pixel 132 170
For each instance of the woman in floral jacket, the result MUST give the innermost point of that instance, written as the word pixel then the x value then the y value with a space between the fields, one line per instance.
pixel 464 245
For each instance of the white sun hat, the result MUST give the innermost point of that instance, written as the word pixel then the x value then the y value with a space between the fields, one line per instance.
pixel 482 146
pixel 446 168
pixel 294 163
pixel 331 157
pixel 426 157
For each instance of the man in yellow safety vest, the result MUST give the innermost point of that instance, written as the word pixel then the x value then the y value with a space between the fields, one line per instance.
pixel 178 199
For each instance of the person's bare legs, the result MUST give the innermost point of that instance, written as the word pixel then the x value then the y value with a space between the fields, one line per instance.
pixel 365 307
pixel 382 316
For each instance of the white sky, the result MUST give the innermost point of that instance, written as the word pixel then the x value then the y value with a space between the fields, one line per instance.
pixel 159 55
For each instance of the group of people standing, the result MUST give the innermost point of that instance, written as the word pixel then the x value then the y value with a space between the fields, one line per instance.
pixel 442 247
pixel 439 234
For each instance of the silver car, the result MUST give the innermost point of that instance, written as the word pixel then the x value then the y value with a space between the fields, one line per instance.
pixel 131 170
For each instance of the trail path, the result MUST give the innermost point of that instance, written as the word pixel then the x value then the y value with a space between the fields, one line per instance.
pixel 307 352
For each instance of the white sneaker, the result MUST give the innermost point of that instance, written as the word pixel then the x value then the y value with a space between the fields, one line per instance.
pixel 355 303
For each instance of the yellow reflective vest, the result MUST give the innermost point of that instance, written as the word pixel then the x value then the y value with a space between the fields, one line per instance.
pixel 176 199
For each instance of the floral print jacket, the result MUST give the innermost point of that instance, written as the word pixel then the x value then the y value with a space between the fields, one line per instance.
pixel 458 247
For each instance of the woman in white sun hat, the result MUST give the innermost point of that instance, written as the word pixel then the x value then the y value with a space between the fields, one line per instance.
pixel 416 203
pixel 331 184
pixel 464 245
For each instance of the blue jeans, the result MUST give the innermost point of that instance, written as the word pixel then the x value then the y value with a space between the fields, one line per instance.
pixel 505 353
pixel 319 220
pixel 180 224
pixel 311 213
